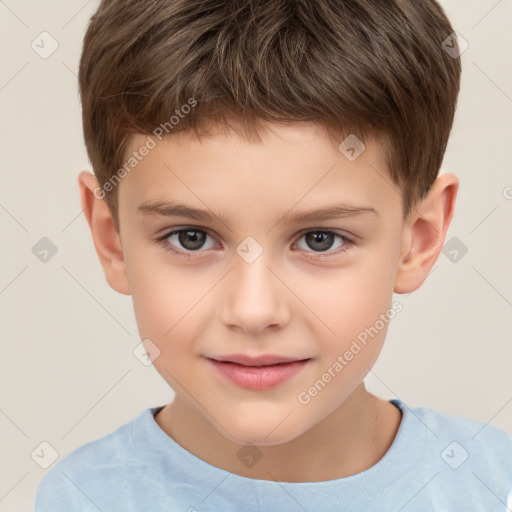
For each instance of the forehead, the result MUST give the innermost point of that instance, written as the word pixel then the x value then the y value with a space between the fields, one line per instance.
pixel 295 166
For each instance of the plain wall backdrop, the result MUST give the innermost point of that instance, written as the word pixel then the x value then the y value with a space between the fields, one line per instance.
pixel 68 374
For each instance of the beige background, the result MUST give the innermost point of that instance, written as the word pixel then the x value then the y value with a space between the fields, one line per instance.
pixel 67 372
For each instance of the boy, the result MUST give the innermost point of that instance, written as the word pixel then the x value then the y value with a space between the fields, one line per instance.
pixel 266 176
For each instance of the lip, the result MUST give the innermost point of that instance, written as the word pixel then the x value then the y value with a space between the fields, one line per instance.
pixel 258 377
pixel 263 360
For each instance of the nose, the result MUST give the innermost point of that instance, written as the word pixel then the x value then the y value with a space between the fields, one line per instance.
pixel 255 297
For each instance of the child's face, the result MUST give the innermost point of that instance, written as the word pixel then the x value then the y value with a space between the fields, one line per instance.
pixel 287 301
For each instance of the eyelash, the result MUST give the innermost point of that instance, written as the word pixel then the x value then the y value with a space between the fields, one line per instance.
pixel 162 240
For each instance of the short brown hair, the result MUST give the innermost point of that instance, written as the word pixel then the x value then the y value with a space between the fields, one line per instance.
pixel 374 68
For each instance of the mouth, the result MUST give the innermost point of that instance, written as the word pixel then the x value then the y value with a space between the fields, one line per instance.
pixel 258 376
pixel 263 360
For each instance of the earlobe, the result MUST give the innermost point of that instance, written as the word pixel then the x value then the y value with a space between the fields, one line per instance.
pixel 424 233
pixel 106 239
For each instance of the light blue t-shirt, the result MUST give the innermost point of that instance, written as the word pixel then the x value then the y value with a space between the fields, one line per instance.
pixel 436 463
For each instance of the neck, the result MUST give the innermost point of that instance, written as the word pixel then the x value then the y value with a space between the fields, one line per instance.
pixel 351 439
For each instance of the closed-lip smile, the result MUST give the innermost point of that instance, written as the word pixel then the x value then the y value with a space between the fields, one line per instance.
pixel 262 360
pixel 257 373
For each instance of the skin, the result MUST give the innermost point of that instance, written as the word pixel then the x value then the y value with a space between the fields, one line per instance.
pixel 285 302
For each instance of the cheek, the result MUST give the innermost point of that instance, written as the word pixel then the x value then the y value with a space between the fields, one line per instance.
pixel 355 309
pixel 352 299
pixel 169 306
pixel 158 293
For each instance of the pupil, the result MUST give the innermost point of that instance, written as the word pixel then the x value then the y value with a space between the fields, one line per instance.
pixel 196 237
pixel 324 239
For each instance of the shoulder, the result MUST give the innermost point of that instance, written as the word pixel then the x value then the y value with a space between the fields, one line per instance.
pixel 460 438
pixel 77 477
pixel 473 433
pixel 464 459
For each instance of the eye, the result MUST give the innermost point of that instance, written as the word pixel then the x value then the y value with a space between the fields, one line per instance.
pixel 323 240
pixel 185 241
pixel 191 239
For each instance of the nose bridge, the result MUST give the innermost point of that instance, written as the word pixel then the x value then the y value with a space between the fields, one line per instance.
pixel 255 298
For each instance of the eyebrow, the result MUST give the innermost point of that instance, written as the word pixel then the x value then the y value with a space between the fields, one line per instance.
pixel 175 209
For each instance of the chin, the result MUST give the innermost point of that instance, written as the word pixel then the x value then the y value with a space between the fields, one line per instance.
pixel 267 433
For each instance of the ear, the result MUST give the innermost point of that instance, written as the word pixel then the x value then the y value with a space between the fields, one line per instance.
pixel 105 237
pixel 424 233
